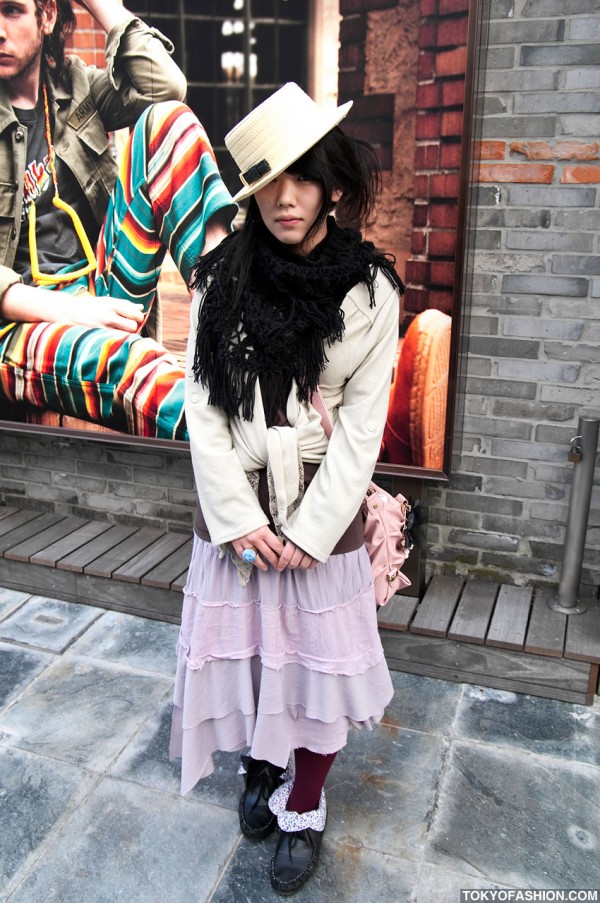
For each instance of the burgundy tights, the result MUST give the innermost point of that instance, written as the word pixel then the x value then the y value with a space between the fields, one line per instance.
pixel 311 771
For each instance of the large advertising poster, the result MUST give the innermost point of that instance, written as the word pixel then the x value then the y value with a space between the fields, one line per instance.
pixel 406 66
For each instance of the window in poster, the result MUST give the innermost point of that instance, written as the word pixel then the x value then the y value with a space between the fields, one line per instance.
pixel 420 124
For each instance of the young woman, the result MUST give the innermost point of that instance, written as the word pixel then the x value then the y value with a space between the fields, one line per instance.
pixel 279 648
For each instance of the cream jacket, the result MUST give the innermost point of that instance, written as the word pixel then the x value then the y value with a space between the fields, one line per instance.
pixel 355 386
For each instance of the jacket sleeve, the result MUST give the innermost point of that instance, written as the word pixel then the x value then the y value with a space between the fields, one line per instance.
pixel 338 488
pixel 139 71
pixel 229 504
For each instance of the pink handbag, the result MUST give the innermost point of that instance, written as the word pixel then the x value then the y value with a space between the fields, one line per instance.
pixel 385 525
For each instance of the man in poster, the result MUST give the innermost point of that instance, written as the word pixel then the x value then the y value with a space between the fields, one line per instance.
pixel 82 236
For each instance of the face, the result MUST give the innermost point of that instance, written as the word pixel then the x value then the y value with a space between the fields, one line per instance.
pixel 22 31
pixel 289 206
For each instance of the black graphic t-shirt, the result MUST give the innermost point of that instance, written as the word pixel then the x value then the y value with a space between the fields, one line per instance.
pixel 57 241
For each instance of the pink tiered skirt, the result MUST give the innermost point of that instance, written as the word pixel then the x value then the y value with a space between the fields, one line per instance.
pixel 291 660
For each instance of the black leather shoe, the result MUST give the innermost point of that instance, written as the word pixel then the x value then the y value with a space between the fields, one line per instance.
pixel 256 819
pixel 295 859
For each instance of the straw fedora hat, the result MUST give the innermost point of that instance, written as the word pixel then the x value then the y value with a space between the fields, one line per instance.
pixel 276 134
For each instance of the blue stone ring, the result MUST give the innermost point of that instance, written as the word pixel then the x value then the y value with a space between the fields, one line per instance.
pixel 249 556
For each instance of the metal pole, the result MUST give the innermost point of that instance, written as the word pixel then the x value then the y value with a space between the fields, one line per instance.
pixel 583 454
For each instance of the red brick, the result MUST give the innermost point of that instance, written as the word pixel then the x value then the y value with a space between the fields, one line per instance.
pixel 453 92
pixel 540 173
pixel 429 7
pixel 428 36
pixel 444 215
pixel 417 271
pixel 452 122
pixel 428 95
pixel 444 185
pixel 350 83
pixel 427 156
pixel 489 150
pixel 442 272
pixel 418 244
pixel 451 62
pixel 453 32
pixel 447 7
pixel 427 126
pixel 441 300
pixel 581 174
pixel 421 186
pixel 451 155
pixel 442 244
pixel 420 216
pixel 416 300
pixel 352 56
pixel 559 150
pixel 353 28
pixel 425 66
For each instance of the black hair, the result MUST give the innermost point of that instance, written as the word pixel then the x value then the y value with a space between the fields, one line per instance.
pixel 338 162
pixel 53 49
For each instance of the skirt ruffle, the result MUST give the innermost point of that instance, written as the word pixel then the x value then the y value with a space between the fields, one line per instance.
pixel 290 660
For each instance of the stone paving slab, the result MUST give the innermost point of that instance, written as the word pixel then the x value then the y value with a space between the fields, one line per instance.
pixel 128 843
pixel 10 600
pixel 530 723
pixel 145 760
pixel 381 791
pixel 82 712
pixel 459 787
pixel 19 667
pixel 36 794
pixel 438 885
pixel 426 705
pixel 130 640
pixel 48 623
pixel 518 819
pixel 345 873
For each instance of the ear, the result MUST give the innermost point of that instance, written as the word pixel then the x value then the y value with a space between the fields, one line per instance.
pixel 49 14
pixel 336 195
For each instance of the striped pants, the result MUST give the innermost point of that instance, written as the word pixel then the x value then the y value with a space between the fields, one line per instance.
pixel 167 189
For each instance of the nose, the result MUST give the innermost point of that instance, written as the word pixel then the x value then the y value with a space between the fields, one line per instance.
pixel 286 195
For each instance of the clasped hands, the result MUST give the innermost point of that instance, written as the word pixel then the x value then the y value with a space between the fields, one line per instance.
pixel 272 551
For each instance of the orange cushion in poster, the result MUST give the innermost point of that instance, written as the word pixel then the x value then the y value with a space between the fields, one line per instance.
pixel 414 432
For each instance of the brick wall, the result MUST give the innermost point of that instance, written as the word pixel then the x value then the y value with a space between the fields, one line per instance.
pixel 532 363
pixel 88 41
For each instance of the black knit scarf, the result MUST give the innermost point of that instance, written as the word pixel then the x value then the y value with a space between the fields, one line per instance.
pixel 288 314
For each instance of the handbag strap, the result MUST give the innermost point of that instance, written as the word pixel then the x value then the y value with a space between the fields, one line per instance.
pixel 318 403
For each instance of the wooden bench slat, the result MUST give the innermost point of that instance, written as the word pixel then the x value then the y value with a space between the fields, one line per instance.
pixel 509 620
pixel 397 614
pixel 11 523
pixel 32 527
pixel 169 570
pixel 89 552
pixel 474 611
pixel 5 511
pixel 70 543
pixel 116 557
pixel 24 550
pixel 180 582
pixel 547 628
pixel 150 557
pixel 434 614
pixel 583 635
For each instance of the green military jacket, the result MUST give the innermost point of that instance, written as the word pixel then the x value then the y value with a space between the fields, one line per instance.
pixel 88 104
